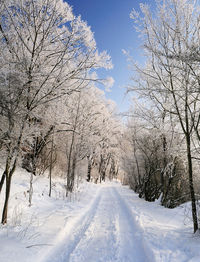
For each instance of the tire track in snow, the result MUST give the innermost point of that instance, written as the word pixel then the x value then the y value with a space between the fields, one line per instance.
pixel 98 244
pixel 131 246
pixel 107 232
pixel 71 235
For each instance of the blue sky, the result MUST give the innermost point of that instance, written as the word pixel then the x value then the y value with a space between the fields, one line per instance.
pixel 113 30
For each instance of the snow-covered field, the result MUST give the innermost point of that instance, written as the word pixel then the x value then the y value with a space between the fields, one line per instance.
pixel 104 223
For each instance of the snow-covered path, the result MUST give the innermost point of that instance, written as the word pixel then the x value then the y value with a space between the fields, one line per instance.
pixel 107 223
pixel 98 241
pixel 106 232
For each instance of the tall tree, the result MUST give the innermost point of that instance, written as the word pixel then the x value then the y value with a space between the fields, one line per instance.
pixel 52 52
pixel 168 78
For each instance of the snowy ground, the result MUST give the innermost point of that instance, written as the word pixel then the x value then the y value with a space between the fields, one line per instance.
pixel 97 223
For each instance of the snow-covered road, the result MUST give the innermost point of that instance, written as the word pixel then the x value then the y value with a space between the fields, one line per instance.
pixel 105 222
pixel 106 232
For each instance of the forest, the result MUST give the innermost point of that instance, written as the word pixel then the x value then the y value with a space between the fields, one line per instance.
pixel 53 117
pixel 56 122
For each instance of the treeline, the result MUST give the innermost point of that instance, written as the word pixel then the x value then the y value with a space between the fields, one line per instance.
pixel 52 117
pixel 154 160
pixel 163 131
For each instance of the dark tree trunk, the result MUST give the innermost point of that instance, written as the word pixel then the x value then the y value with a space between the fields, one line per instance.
pixel 164 145
pixel 104 175
pixel 10 169
pixel 89 170
pixel 191 184
pixel 5 208
pixel 2 181
pixel 8 173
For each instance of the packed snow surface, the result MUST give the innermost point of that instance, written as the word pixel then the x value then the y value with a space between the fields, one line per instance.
pixel 98 223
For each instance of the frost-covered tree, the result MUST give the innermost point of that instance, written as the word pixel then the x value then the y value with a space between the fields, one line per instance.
pixel 87 122
pixel 170 76
pixel 47 53
pixel 152 158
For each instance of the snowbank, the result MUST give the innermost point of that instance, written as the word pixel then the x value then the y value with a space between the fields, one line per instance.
pixel 32 230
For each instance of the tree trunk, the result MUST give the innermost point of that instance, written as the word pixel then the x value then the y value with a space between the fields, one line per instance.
pixel 137 165
pixel 191 184
pixel 2 181
pixel 50 168
pixel 89 170
pixel 71 177
pixel 30 190
pixel 164 145
pixel 5 208
pixel 104 176
pixel 70 172
pixel 8 173
pixel 10 170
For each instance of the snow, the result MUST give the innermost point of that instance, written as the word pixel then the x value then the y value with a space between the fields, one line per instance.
pixel 97 223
